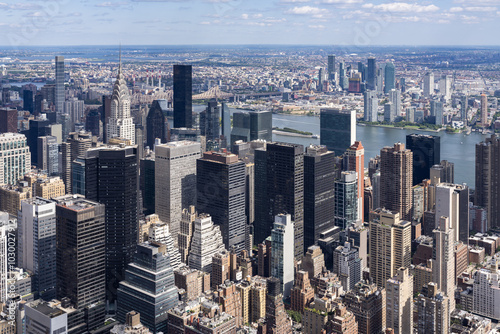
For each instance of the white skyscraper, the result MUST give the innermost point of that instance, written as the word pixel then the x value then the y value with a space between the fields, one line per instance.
pixel 175 177
pixel 445 86
pixel 207 241
pixel 371 106
pixel 486 296
pixel 120 124
pixel 429 84
pixel 395 99
pixel 15 157
pixel 159 232
pixel 399 299
pixel 282 250
pixel 443 266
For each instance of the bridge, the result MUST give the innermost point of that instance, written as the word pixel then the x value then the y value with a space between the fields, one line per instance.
pixel 213 93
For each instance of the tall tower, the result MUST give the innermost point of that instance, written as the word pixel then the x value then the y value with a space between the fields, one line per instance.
pixel 74 147
pixel 80 237
pixel 15 157
pixel 285 188
pixel 390 77
pixel 484 110
pixel 429 84
pixel 120 124
pixel 156 123
pixel 347 265
pixel 205 243
pixel 452 201
pixel 282 263
pixel 370 106
pixel 346 200
pixel 432 310
pixel 396 176
pixel 464 105
pixel 59 90
pixel 337 129
pixel 400 301
pixel 175 177
pixel 443 258
pixel 372 74
pixel 319 178
pixel 183 100
pixel 426 153
pixel 331 67
pixel 221 192
pixel 356 162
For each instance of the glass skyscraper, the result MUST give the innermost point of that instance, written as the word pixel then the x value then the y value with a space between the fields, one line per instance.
pixel 183 96
pixel 390 77
pixel 372 74
pixel 346 200
pixel 426 151
pixel 337 129
pixel 59 91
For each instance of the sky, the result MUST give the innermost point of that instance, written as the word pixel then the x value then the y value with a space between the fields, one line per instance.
pixel 295 22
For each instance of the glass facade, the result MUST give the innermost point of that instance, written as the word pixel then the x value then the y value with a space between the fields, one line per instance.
pixel 183 96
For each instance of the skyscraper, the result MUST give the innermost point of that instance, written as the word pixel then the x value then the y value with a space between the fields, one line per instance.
pixel 81 256
pixel 120 124
pixel 148 287
pixel 111 178
pixel 48 154
pixel 160 232
pixel 175 177
pixel 443 260
pixel 15 157
pixel 390 245
pixel 372 74
pixel 282 248
pixel 390 77
pixel 59 91
pixel 8 120
pixel 347 265
pixel 355 161
pixel 396 176
pixel 331 67
pixel 37 244
pixel 205 243
pixel 452 201
pixel 346 200
pixel 486 295
pixel 183 101
pixel 432 310
pixel 156 123
pixel 337 129
pixel 319 177
pixel 484 110
pixel 254 125
pixel 429 84
pixel 276 317
pixel 426 151
pixel 464 105
pixel 285 189
pixel 395 99
pixel 370 106
pixel 75 146
pixel 400 301
pixel 368 303
pixel 437 111
pixel 488 174
pixel 210 121
pixel 221 192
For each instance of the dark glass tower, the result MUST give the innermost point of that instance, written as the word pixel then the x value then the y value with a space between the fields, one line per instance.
pixel 371 76
pixel 147 184
pixel 149 287
pixel 92 123
pixel 319 177
pixel 38 128
pixel 331 67
pixel 346 200
pixel 210 121
pixel 426 153
pixel 285 188
pixel 262 228
pixel 261 125
pixel 81 256
pixel 221 192
pixel 28 101
pixel 183 96
pixel 337 129
pixel 59 90
pixel 390 77
pixel 155 123
pixel 111 179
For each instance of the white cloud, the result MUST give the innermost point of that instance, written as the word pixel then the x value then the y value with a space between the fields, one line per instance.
pixel 244 16
pixel 294 1
pixel 307 10
pixel 480 9
pixel 205 23
pixel 402 7
pixel 317 26
pixel 456 9
pixel 342 2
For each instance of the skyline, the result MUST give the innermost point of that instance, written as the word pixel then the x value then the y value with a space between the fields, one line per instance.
pixel 238 22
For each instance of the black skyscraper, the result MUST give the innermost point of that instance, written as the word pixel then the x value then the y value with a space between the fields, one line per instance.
pixel 371 75
pixel 221 192
pixel 262 227
pixel 319 182
pixel 38 128
pixel 155 121
pixel 426 153
pixel 252 126
pixel 111 179
pixel 210 121
pixel 28 101
pixel 285 188
pixel 93 123
pixel 183 96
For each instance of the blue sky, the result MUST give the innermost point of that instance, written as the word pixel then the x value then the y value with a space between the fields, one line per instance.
pixel 324 22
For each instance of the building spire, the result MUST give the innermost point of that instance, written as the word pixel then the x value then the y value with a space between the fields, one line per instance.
pixel 120 60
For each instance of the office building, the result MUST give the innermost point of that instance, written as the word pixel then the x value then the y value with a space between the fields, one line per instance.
pixel 370 106
pixel 464 106
pixel 147 183
pixel 8 120
pixel 81 237
pixel 276 317
pixel 59 85
pixel 355 161
pixel 302 293
pixel 15 157
pixel 346 200
pixel 390 245
pixel 428 84
pixel 337 129
pixel 120 124
pixel 37 244
pixel 444 171
pixel 74 147
pixel 486 295
pixel 156 123
pixel 186 232
pixel 331 67
pixel 12 195
pixel 372 74
pixel 29 100
pixel 48 154
pixel 111 178
pixel 210 121
pixel 487 174
pixel 159 231
pixel 484 111
pixel 347 265
pixel 205 243
pixel 48 188
pixel 43 317
pixel 313 261
pixel 426 151
pixel 367 302
pixel 319 178
pixel 253 125
pixel 437 109
pixel 452 201
pixel 285 191
pixel 74 108
pixel 399 312
pixel 183 109
pixel 148 287
pixel 445 86
pixel 443 260
pixel 282 248
pixel 396 177
pixel 389 77
pixel 395 99
pixel 175 178
pixel 389 112
pixel 432 310
pixel 221 192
